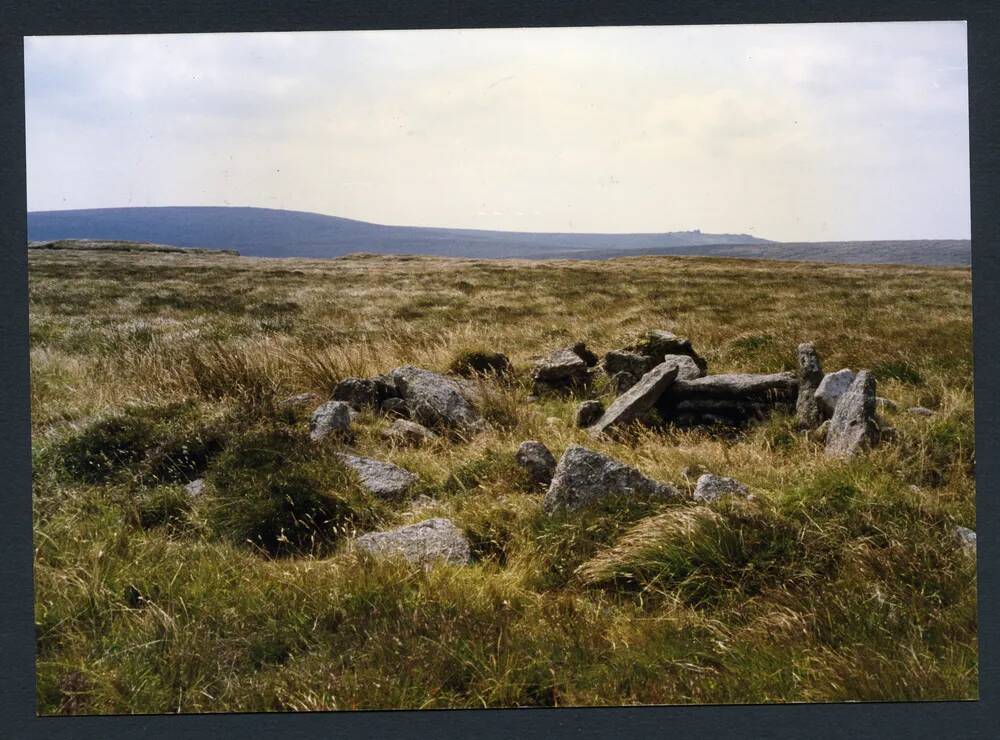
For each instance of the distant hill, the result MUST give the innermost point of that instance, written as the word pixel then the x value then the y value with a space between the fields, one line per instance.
pixel 925 252
pixel 264 232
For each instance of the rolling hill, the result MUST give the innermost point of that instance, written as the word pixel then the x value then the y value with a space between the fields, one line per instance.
pixel 263 232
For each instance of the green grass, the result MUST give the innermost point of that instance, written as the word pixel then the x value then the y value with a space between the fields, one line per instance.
pixel 838 581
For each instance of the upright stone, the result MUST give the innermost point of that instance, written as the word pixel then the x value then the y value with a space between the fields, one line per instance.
pixel 584 476
pixel 637 400
pixel 853 426
pixel 807 409
pixel 831 388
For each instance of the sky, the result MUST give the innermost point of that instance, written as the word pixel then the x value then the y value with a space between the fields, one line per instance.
pixel 813 132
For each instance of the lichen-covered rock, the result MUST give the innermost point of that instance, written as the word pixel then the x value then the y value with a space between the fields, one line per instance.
pixel 535 458
pixel 584 476
pixel 588 412
pixel 382 479
pixel 333 417
pixel 363 393
pixel 966 539
pixel 831 388
pixel 713 487
pixel 807 410
pixel 853 426
pixel 195 488
pixel 561 368
pixel 687 368
pixel 423 543
pixel 402 431
pixel 394 407
pixel 621 361
pixel 657 344
pixel 637 400
pixel 435 400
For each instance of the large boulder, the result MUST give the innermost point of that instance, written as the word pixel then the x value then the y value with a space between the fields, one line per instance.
pixel 535 458
pixel 853 426
pixel 333 417
pixel 562 369
pixel 382 479
pixel 807 410
pixel 739 386
pixel 433 399
pixel 711 488
pixel 423 543
pixel 584 476
pixel 831 388
pixel 637 400
pixel 364 393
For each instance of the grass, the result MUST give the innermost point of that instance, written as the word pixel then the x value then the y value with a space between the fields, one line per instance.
pixel 837 581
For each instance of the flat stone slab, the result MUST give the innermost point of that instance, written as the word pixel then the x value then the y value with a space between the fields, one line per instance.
pixel 637 400
pixel 408 432
pixel 435 400
pixel 332 417
pixel 584 476
pixel 382 479
pixel 713 487
pixel 832 387
pixel 560 365
pixel 431 540
pixel 740 386
pixel 853 426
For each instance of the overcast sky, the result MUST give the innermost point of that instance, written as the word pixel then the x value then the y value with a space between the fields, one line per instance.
pixel 790 132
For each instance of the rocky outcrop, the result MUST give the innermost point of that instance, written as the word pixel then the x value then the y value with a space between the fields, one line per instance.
pixel 831 388
pixel 333 417
pixel 584 476
pixel 637 400
pixel 535 458
pixel 588 412
pixel 423 543
pixel 381 479
pixel 807 410
pixel 853 426
pixel 713 487
pixel 435 400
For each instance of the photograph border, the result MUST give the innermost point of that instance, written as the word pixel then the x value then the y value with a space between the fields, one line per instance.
pixel 897 719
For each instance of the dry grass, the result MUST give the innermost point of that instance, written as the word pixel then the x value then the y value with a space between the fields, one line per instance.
pixel 839 581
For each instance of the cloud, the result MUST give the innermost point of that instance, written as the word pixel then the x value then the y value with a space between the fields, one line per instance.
pixel 793 132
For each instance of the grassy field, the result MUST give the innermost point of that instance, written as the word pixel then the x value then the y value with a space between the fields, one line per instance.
pixel 839 581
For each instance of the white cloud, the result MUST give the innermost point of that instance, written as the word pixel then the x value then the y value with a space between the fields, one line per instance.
pixel 792 132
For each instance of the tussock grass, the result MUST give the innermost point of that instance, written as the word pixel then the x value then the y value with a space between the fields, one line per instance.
pixel 838 581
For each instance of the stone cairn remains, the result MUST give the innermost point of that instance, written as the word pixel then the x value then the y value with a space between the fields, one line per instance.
pixel 657 379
